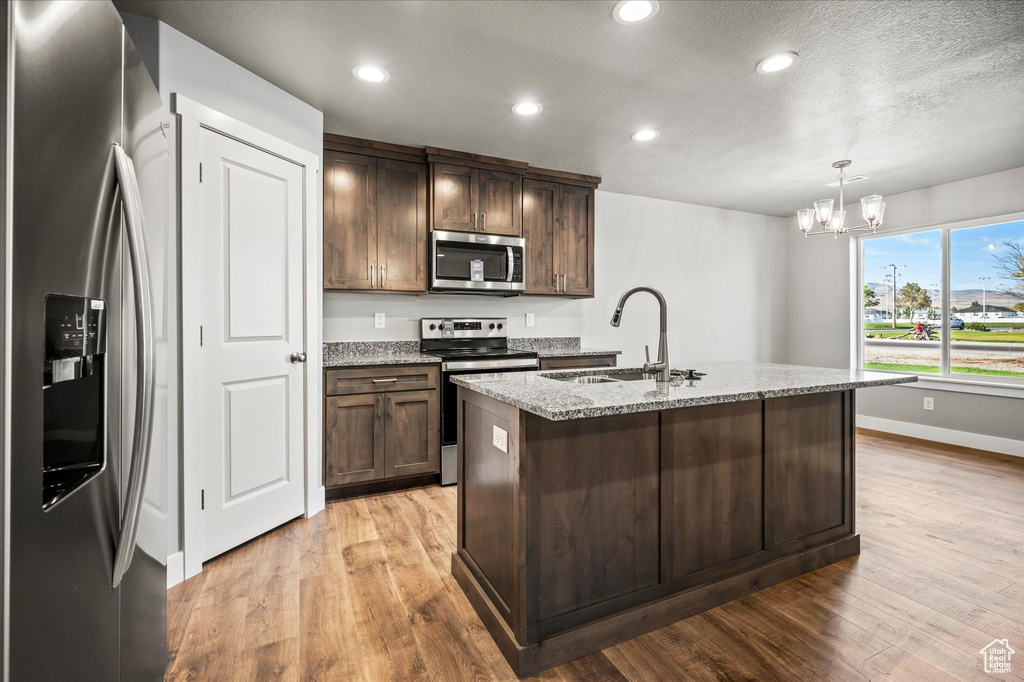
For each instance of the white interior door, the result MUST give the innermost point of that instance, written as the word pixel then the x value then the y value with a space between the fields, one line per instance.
pixel 252 321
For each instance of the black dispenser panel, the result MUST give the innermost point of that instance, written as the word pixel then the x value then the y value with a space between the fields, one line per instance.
pixel 73 394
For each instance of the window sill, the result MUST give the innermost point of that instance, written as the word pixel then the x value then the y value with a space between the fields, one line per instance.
pixel 938 383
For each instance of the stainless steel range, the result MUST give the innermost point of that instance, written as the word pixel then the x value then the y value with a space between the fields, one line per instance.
pixel 477 345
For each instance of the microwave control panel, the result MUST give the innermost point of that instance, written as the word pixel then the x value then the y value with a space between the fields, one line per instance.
pixel 517 267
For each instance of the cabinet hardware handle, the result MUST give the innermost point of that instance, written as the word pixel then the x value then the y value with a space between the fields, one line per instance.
pixel 565 282
pixel 474 221
pixel 385 381
pixel 483 222
pixel 556 282
pixel 391 407
pixel 382 271
pixel 371 275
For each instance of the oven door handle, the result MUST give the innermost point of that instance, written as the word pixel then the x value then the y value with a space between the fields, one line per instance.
pixel 511 261
pixel 514 363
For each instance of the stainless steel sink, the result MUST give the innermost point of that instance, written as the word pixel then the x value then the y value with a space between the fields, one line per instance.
pixel 604 378
pixel 593 379
pixel 636 376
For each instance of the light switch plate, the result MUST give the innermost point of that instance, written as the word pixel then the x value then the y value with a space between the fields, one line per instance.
pixel 529 319
pixel 378 320
pixel 501 439
pixel 929 403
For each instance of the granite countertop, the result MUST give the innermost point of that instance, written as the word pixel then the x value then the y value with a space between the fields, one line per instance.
pixel 557 347
pixel 367 353
pixel 725 382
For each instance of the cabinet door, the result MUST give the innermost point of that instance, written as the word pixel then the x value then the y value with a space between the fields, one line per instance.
pixel 576 257
pixel 501 203
pixel 401 225
pixel 353 439
pixel 350 221
pixel 455 197
pixel 540 213
pixel 411 438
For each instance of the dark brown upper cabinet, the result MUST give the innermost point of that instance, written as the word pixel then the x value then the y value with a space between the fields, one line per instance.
pixel 558 225
pixel 375 216
pixel 474 193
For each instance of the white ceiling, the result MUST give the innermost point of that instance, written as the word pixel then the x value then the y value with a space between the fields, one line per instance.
pixel 916 93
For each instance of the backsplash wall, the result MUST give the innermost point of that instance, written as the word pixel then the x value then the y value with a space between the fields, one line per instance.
pixel 349 317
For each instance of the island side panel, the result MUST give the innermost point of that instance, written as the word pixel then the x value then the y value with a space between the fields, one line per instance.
pixel 809 469
pixel 713 460
pixel 488 488
pixel 592 517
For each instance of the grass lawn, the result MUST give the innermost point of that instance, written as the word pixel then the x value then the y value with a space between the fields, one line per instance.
pixel 928 369
pixel 908 325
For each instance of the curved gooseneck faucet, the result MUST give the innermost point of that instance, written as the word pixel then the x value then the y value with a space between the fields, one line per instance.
pixel 662 367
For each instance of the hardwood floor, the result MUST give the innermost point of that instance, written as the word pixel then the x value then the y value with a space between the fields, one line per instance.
pixel 364 591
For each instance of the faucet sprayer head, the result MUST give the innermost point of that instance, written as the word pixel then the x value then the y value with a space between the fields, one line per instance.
pixel 616 317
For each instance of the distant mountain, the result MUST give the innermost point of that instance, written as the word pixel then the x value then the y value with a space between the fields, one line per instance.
pixel 959 298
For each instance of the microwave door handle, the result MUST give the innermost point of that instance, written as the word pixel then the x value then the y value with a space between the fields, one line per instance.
pixel 511 264
pixel 131 201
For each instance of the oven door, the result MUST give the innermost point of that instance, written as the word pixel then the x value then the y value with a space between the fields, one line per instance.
pixel 450 409
pixel 477 263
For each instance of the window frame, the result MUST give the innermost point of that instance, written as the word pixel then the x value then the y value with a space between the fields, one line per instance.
pixel 946 380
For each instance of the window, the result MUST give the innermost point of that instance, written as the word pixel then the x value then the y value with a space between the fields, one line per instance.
pixel 946 301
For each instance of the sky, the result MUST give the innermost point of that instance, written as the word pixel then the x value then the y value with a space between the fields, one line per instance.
pixel 973 254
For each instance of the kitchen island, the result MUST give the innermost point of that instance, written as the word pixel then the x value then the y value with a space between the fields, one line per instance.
pixel 594 506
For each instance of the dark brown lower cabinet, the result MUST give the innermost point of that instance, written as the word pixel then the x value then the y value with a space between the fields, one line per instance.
pixel 381 434
pixel 588 532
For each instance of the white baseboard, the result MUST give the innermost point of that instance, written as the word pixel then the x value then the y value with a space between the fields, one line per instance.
pixel 175 569
pixel 1006 446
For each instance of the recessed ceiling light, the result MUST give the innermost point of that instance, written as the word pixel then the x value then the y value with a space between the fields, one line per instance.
pixel 777 62
pixel 371 73
pixel 527 108
pixel 634 11
pixel 645 135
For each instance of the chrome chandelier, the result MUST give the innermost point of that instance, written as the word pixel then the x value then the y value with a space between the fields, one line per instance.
pixel 833 222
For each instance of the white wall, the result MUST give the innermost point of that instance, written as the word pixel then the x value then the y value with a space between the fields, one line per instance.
pixel 818 294
pixel 179 64
pixel 705 261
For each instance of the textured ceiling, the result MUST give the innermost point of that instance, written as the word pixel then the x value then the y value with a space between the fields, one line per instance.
pixel 916 93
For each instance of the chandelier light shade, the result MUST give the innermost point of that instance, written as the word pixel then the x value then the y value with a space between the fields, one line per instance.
pixel 805 217
pixel 832 219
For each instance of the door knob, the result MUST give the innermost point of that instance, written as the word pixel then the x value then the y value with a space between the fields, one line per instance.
pixel 297 357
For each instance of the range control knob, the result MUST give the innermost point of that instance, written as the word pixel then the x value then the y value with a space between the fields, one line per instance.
pixel 500 325
pixel 491 326
pixel 433 327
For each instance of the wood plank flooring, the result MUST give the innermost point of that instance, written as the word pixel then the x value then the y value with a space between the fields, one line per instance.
pixel 364 591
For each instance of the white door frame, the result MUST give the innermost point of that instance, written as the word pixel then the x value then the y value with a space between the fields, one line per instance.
pixel 192 117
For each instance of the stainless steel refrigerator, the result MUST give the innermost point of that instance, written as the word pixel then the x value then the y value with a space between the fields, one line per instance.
pixel 90 298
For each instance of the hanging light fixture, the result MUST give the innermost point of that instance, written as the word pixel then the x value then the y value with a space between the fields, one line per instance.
pixel 833 220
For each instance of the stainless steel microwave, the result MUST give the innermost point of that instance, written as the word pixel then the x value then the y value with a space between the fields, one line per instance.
pixel 468 263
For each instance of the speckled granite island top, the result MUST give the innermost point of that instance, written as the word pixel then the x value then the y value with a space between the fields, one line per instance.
pixel 725 382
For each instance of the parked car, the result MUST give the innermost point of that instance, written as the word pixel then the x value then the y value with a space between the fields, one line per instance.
pixel 955 322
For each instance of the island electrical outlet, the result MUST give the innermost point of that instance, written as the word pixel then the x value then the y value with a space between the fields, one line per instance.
pixel 501 439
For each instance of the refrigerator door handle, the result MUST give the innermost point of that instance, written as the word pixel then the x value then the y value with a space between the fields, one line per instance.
pixel 131 200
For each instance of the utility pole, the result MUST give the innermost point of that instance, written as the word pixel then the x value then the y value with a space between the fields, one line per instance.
pixel 895 279
pixel 984 294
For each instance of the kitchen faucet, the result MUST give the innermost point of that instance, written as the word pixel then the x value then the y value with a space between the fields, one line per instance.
pixel 661 366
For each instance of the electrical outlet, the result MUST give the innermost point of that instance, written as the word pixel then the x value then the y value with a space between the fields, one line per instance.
pixel 529 319
pixel 501 439
pixel 929 403
pixel 378 320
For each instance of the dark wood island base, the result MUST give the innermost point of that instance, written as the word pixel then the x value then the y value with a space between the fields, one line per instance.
pixel 589 532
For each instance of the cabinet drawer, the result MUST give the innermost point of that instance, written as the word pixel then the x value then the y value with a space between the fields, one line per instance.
pixel 577 362
pixel 381 379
